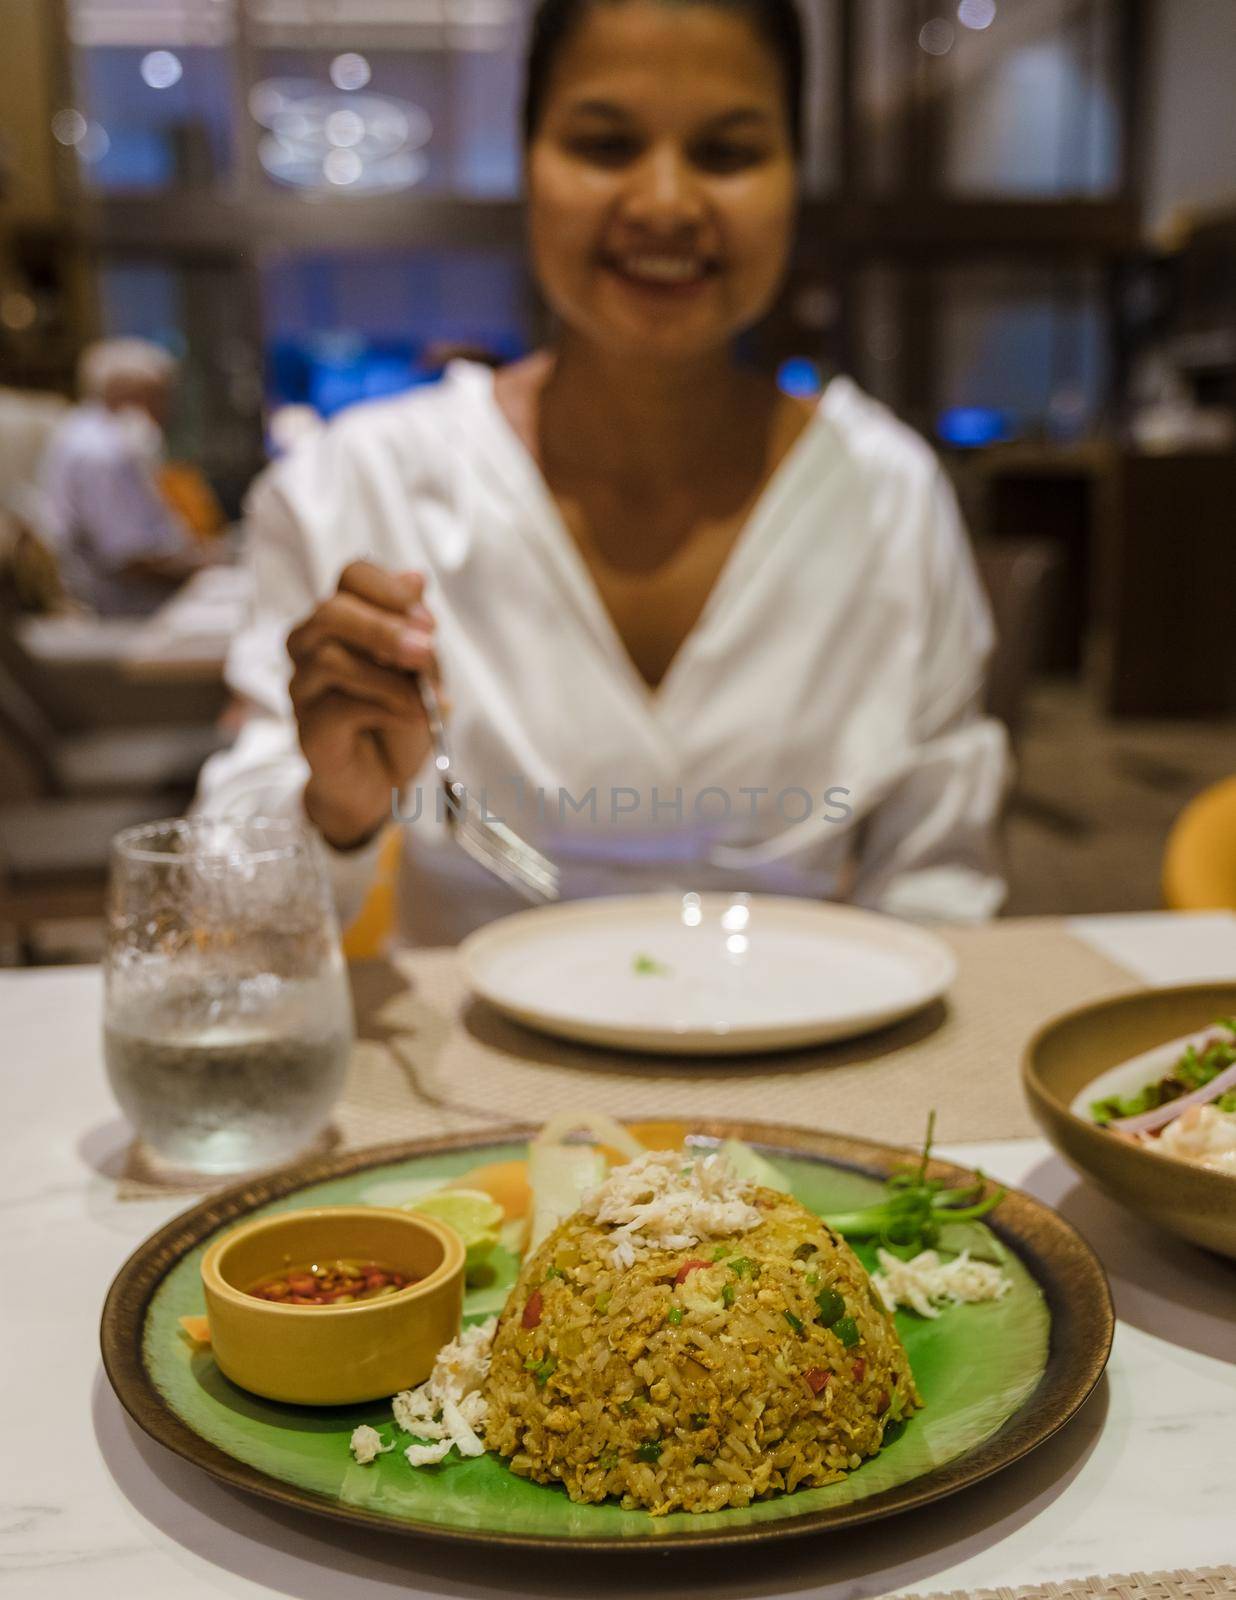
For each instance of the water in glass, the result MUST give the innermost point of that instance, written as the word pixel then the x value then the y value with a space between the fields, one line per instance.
pixel 228 1018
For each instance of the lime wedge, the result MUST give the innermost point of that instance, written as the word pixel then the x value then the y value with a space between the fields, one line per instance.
pixel 475 1217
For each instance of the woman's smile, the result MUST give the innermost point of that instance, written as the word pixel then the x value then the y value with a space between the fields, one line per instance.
pixel 661 273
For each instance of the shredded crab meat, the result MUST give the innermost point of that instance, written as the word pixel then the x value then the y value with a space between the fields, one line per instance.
pixel 667 1201
pixel 449 1407
pixel 366 1444
pixel 924 1281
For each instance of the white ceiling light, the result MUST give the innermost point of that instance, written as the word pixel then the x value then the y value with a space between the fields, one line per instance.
pixel 161 69
pixel 68 127
pixel 323 140
pixel 345 128
pixel 350 71
pixel 343 166
pixel 94 143
pixel 976 14
pixel 936 37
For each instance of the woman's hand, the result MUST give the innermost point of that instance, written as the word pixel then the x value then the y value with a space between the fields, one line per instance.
pixel 361 722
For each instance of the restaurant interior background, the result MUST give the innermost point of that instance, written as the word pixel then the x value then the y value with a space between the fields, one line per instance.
pixel 1019 231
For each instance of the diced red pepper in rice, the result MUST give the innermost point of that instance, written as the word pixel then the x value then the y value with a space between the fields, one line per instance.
pixel 858 1368
pixel 816 1378
pixel 532 1310
pixel 687 1268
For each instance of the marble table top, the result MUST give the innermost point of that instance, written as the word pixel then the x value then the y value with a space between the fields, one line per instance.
pixel 1140 1480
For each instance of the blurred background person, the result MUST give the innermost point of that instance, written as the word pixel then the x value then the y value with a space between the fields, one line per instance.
pixel 121 546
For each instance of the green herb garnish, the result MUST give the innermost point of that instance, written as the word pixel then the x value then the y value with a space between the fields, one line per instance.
pixel 908 1219
pixel 846 1330
pixel 645 966
pixel 674 1316
pixel 794 1322
pixel 650 1450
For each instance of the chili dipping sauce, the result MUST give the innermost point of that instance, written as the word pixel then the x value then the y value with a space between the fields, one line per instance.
pixel 331 1283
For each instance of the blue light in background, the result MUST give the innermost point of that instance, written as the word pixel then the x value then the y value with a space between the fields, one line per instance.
pixel 971 427
pixel 369 375
pixel 352 325
pixel 332 371
pixel 800 378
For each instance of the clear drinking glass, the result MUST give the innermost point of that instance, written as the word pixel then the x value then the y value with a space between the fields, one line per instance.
pixel 227 1018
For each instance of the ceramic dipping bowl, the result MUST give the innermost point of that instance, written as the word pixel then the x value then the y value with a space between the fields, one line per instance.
pixel 333 1355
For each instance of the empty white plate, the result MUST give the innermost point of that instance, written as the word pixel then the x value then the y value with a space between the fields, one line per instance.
pixel 705 974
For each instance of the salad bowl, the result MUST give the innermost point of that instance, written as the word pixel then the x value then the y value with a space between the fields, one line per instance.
pixel 1083 1048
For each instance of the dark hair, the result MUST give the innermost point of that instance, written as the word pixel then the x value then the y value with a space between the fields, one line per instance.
pixel 776 21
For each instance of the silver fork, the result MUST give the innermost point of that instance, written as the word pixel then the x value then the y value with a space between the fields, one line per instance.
pixel 489 841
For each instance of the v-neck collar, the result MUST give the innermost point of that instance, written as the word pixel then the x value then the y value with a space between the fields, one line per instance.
pixel 548 527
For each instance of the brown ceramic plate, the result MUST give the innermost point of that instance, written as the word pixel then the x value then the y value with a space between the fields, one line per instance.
pixel 998 1378
pixel 1071 1052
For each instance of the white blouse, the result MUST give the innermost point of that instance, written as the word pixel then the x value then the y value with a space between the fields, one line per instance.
pixel 819 731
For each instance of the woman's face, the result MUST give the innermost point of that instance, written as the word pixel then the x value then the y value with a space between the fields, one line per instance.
pixel 661 179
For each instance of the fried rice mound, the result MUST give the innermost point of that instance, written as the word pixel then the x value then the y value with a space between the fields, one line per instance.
pixel 700 1378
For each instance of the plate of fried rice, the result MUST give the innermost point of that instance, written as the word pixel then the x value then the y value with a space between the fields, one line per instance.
pixel 713 1333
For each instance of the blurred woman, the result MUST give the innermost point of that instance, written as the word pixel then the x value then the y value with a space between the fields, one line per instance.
pixel 693 632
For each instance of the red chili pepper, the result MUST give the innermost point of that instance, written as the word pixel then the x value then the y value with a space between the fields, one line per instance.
pixel 532 1311
pixel 687 1268
pixel 816 1378
pixel 858 1368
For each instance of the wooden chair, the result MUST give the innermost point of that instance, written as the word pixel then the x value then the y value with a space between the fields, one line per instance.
pixel 371 931
pixel 53 860
pixel 1199 862
pixel 67 795
pixel 102 761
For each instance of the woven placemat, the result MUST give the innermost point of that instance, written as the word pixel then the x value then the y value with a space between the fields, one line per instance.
pixel 1210 1583
pixel 431 1060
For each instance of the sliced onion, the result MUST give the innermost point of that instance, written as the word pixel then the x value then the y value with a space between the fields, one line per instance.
pixel 597 1124
pixel 1152 1121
